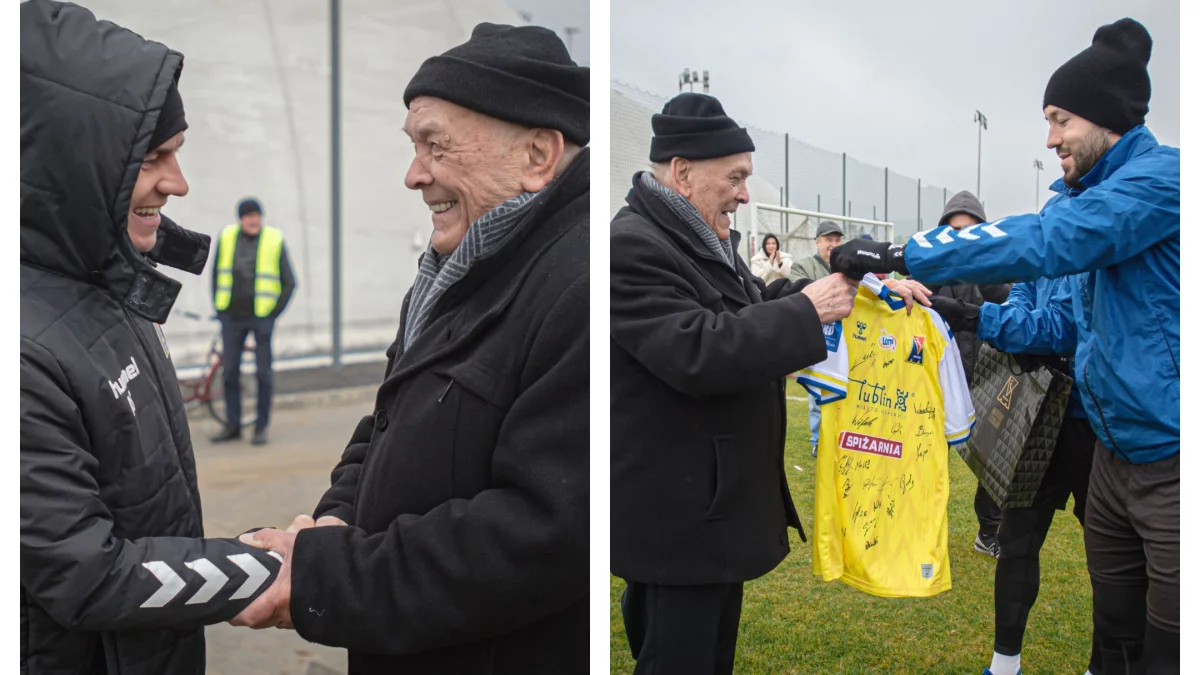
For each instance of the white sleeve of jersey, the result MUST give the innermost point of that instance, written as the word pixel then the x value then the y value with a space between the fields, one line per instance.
pixel 956 397
pixel 826 381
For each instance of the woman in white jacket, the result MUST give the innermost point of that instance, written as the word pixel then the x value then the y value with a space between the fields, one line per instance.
pixel 771 263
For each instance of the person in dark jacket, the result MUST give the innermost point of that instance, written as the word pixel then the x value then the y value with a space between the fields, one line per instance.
pixel 964 210
pixel 252 283
pixel 1115 220
pixel 115 574
pixel 464 495
pixel 699 351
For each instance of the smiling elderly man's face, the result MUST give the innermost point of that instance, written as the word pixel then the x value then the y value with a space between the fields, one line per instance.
pixel 466 164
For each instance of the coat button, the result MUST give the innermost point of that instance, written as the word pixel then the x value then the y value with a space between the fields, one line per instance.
pixel 380 421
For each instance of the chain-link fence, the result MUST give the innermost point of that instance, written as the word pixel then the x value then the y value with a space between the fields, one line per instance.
pixel 788 172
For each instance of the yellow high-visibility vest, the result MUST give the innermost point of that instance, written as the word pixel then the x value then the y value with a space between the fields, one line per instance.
pixel 267 283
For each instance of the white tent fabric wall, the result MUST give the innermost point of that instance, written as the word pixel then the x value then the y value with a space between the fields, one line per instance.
pixel 813 175
pixel 256 91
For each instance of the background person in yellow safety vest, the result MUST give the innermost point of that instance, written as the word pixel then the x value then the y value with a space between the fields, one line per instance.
pixel 252 283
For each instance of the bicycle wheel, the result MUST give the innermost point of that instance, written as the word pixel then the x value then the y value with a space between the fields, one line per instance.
pixel 216 395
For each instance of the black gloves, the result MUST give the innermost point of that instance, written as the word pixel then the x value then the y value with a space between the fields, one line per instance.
pixel 857 257
pixel 961 315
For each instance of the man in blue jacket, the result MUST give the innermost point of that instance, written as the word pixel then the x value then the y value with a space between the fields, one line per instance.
pixel 1016 326
pixel 1115 223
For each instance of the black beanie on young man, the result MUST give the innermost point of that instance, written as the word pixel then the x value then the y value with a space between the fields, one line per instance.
pixel 1107 83
pixel 170 120
pixel 694 126
pixel 522 75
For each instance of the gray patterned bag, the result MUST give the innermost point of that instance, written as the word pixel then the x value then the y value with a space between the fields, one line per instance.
pixel 1018 414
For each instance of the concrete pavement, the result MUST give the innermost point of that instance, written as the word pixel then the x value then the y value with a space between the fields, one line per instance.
pixel 243 487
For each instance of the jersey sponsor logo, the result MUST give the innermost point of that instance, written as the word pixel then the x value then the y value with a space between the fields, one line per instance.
pixel 860 330
pixel 887 340
pixel 872 445
pixel 877 395
pixel 833 335
pixel 917 353
pixel 1006 392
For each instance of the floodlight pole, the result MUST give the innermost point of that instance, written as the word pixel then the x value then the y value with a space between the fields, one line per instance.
pixel 981 119
pixel 1037 184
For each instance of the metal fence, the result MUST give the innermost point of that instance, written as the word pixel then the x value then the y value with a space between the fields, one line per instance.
pixel 788 172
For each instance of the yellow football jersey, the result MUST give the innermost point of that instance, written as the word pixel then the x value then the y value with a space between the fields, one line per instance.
pixel 893 395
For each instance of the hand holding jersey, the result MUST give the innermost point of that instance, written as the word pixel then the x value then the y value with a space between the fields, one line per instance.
pixel 832 296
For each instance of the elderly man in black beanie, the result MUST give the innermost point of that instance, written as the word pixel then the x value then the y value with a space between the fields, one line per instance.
pixel 458 537
pixel 700 348
pixel 115 573
pixel 1115 224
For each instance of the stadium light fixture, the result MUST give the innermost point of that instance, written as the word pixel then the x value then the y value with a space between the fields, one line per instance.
pixel 691 78
pixel 980 119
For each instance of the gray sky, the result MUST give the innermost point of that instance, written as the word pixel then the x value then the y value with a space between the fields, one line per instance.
pixel 892 85
pixel 558 14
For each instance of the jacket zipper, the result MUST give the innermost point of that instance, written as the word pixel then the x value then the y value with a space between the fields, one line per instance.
pixel 1087 383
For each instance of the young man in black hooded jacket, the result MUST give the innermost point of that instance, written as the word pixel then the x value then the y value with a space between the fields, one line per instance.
pixel 115 577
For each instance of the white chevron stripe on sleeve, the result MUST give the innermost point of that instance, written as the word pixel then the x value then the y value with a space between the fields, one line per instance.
pixel 966 233
pixel 171 584
pixel 945 237
pixel 255 575
pixel 275 555
pixel 921 240
pixel 214 580
pixel 995 231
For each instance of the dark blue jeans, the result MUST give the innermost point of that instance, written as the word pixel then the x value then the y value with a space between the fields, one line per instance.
pixel 233 337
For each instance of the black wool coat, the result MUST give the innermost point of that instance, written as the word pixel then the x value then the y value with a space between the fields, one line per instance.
pixel 466 490
pixel 699 354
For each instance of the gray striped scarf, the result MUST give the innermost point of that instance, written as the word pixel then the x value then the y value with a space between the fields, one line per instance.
pixel 688 213
pixel 436 273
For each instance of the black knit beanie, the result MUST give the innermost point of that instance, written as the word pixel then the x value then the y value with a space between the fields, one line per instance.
pixel 1107 83
pixel 247 206
pixel 170 120
pixel 522 75
pixel 694 126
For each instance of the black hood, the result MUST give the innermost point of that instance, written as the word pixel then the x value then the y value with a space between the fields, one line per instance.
pixel 91 93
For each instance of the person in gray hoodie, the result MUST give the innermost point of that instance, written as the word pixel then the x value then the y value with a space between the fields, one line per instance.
pixel 964 210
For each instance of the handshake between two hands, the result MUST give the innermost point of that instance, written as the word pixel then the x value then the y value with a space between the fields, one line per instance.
pixel 273 607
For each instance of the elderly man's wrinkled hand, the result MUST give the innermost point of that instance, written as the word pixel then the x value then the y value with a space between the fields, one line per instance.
pixel 272 609
pixel 910 291
pixel 833 297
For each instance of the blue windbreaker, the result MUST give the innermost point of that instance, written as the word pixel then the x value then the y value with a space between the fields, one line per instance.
pixel 1119 232
pixel 1019 326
